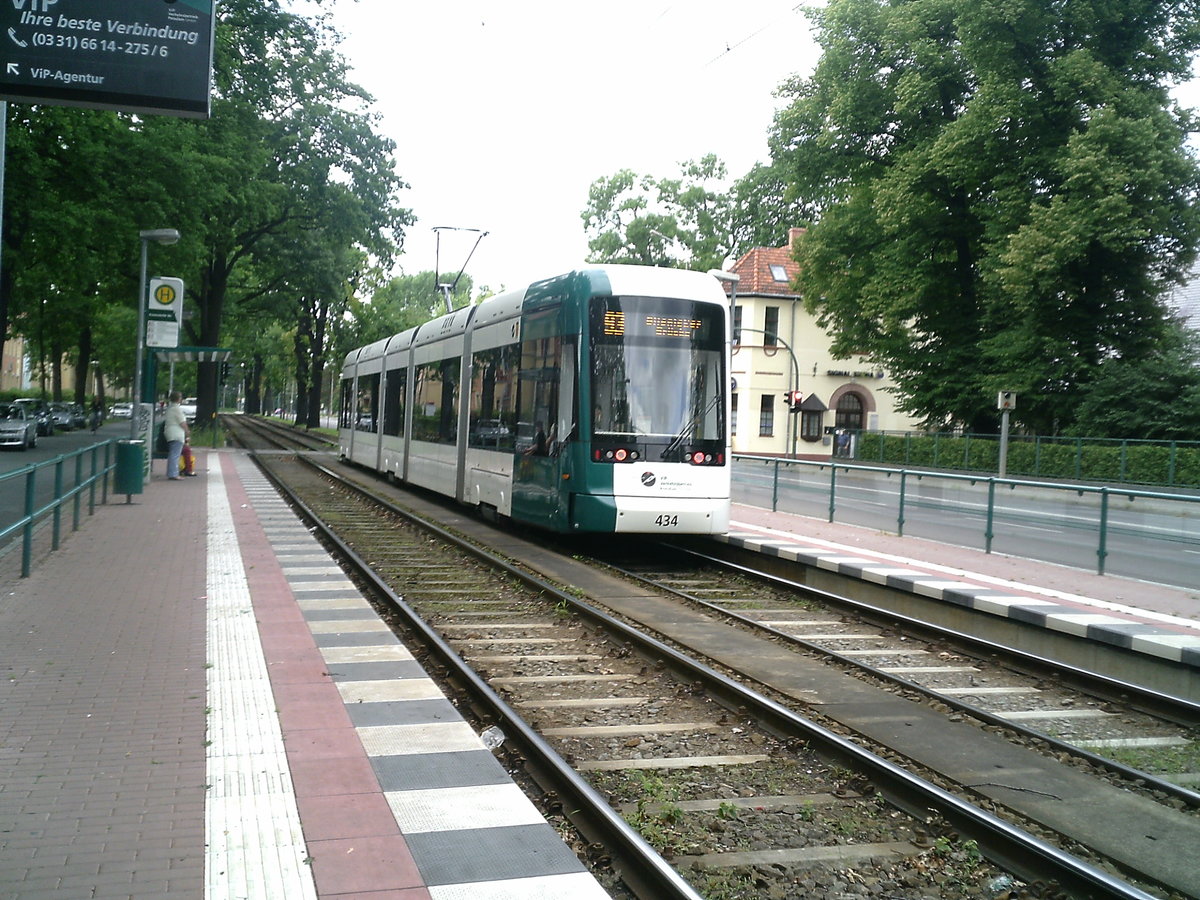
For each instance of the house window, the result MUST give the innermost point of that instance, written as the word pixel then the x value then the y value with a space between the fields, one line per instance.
pixel 771 326
pixel 810 424
pixel 733 398
pixel 737 325
pixel 779 273
pixel 766 416
pixel 850 412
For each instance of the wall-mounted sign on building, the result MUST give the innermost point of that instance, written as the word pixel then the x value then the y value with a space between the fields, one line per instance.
pixel 129 55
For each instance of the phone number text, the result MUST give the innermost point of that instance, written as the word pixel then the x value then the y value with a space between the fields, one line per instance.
pixel 71 42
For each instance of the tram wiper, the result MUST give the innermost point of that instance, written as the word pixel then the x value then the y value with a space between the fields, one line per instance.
pixel 686 434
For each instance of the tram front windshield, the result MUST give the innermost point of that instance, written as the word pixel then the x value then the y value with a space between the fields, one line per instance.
pixel 657 368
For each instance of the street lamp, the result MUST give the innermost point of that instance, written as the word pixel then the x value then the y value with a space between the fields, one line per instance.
pixel 159 236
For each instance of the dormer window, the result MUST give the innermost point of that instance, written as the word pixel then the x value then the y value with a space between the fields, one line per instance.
pixel 779 273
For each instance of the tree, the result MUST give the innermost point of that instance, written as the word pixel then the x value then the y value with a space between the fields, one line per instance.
pixel 404 302
pixel 290 155
pixel 1156 397
pixel 290 158
pixel 1003 193
pixel 683 222
pixel 764 208
pixel 63 169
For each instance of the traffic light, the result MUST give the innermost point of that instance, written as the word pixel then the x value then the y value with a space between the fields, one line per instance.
pixel 794 399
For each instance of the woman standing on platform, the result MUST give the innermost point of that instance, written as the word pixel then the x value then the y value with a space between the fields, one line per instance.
pixel 176 431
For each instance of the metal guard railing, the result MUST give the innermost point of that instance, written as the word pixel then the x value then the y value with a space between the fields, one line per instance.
pixel 1188 502
pixel 63 494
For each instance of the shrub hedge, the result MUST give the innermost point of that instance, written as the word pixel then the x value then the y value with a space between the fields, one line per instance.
pixel 1169 464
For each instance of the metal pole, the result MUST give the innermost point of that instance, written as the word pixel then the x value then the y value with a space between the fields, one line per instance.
pixel 832 490
pixel 1102 549
pixel 3 155
pixel 141 344
pixel 989 529
pixel 1003 442
pixel 788 428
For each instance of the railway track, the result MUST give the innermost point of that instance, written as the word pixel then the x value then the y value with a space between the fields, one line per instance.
pixel 743 796
pixel 1139 735
pixel 255 433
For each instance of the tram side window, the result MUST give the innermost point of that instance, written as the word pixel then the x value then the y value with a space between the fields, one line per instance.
pixel 346 415
pixel 435 402
pixel 493 398
pixel 393 401
pixel 537 395
pixel 367 414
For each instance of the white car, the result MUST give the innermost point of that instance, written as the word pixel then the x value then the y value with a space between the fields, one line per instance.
pixel 122 411
pixel 17 428
pixel 189 409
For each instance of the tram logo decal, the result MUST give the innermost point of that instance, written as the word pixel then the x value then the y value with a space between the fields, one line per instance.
pixel 648 479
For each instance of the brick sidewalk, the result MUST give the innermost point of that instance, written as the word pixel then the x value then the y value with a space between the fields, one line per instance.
pixel 102 706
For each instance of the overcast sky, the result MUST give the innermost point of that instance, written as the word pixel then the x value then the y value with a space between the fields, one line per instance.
pixel 505 111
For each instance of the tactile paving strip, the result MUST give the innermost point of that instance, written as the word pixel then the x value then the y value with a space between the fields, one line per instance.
pixel 255 845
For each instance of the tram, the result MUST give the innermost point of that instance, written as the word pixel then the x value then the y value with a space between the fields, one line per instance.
pixel 595 401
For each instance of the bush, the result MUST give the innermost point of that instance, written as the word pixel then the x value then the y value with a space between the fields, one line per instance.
pixel 1168 464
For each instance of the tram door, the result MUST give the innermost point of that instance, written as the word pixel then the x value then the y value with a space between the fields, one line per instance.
pixel 545 421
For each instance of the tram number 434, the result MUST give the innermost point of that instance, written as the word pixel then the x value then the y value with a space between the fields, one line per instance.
pixel 667 521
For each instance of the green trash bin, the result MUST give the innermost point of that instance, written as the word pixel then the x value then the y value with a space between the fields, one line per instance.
pixel 131 467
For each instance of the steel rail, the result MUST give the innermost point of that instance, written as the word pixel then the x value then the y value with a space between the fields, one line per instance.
pixel 1005 844
pixel 1179 710
pixel 642 869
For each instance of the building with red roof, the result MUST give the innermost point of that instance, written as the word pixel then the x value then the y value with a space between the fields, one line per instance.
pixel 778 350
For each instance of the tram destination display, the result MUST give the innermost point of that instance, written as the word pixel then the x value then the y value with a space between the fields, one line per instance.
pixel 128 55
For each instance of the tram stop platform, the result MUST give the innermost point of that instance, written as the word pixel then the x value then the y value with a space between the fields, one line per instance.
pixel 1142 617
pixel 196 702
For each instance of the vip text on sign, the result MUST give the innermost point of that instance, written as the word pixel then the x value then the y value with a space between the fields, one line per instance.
pixel 130 55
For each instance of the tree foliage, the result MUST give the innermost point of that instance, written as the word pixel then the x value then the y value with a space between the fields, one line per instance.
pixel 1003 193
pixel 285 198
pixel 1155 397
pixel 403 302
pixel 640 219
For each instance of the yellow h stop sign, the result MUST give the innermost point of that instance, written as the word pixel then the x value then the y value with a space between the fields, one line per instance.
pixel 164 312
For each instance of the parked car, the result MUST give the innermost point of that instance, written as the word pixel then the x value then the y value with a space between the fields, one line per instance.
pixel 78 416
pixel 189 409
pixel 121 411
pixel 39 411
pixel 17 429
pixel 61 414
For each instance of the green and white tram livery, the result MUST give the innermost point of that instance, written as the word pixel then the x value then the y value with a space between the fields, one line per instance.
pixel 595 401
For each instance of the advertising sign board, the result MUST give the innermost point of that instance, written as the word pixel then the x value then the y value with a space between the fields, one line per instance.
pixel 129 55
